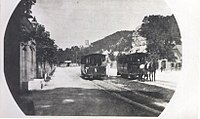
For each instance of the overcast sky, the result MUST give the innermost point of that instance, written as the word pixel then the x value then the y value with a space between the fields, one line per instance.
pixel 71 22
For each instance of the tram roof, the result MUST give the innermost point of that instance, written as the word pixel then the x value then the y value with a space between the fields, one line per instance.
pixel 93 54
pixel 134 54
pixel 137 54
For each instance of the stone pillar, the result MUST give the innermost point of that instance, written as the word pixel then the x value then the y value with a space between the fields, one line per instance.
pixel 27 65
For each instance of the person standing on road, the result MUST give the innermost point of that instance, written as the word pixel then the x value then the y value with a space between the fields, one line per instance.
pixel 108 61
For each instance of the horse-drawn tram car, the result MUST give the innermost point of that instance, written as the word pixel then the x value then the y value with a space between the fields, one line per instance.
pixel 93 66
pixel 132 66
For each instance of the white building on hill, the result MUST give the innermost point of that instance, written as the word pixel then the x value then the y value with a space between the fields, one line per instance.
pixel 138 44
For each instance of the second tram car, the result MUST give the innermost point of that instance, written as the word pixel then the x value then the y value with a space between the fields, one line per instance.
pixel 132 65
pixel 93 66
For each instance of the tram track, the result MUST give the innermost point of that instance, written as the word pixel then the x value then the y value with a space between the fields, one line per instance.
pixel 114 90
pixel 135 92
pixel 147 97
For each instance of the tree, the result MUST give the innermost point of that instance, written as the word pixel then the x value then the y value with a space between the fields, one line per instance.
pixel 75 51
pixel 60 56
pixel 68 54
pixel 20 15
pixel 162 34
pixel 74 54
pixel 46 49
pixel 26 7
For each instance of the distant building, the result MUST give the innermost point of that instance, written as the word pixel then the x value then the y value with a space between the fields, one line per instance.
pixel 68 62
pixel 175 65
pixel 19 55
pixel 87 43
pixel 177 50
pixel 105 52
pixel 115 53
pixel 138 44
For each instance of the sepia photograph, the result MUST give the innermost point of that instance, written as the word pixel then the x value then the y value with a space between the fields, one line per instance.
pixel 121 58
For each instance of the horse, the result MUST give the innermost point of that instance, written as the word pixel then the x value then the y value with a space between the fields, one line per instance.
pixel 147 71
pixel 151 70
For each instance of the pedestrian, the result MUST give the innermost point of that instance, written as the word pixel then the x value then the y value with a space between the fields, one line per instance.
pixel 41 85
pixel 161 68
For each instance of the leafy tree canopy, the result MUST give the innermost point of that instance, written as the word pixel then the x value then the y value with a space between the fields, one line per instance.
pixel 46 49
pixel 162 34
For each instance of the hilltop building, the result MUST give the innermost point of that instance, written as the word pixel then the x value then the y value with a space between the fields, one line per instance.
pixel 138 44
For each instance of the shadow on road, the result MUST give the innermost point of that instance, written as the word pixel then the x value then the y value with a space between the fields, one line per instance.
pixel 88 102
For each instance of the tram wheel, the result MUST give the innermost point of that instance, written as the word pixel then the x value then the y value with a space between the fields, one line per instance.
pixel 133 77
pixel 123 75
pixel 141 77
pixel 118 73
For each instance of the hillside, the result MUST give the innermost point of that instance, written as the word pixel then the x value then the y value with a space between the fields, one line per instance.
pixel 118 41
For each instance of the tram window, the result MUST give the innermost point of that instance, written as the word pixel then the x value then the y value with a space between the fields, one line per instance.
pixel 142 59
pixel 103 59
pixel 82 60
pixel 172 64
pixel 89 60
pixel 86 60
pixel 92 61
pixel 134 59
pixel 98 61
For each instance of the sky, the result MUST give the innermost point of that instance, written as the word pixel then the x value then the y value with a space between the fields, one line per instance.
pixel 71 22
